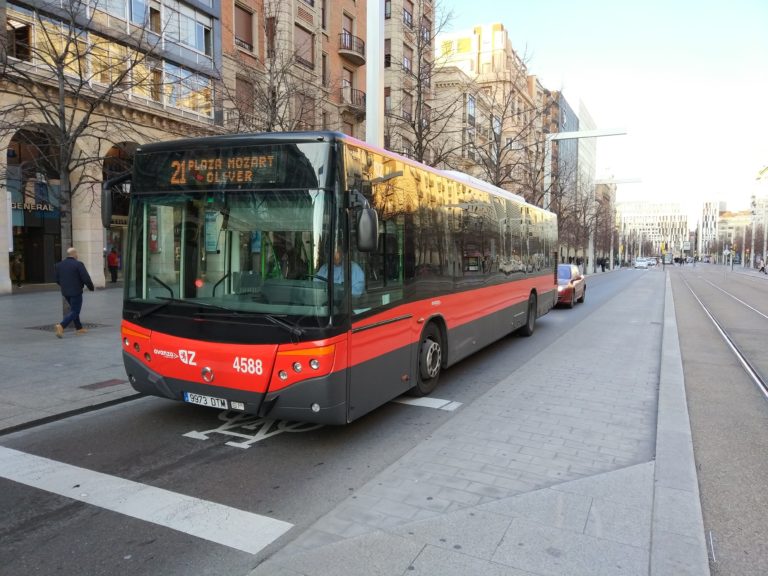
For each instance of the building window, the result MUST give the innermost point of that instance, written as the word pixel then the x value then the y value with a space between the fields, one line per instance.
pixel 324 14
pixel 387 9
pixel 408 13
pixel 407 58
pixel 387 52
pixel 426 30
pixel 387 100
pixel 243 28
pixel 407 107
pixel 346 85
pixel 305 47
pixel 244 97
pixel 270 31
pixel 304 111
pixel 188 90
pixel 324 70
pixel 407 148
pixel 148 79
pixel 470 110
pixel 19 35
pixel 189 27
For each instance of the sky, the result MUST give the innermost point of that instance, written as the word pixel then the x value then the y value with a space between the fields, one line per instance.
pixel 686 79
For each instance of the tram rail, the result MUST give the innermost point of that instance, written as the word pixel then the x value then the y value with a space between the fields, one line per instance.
pixel 751 365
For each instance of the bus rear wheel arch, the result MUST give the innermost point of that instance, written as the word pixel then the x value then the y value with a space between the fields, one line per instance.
pixel 430 361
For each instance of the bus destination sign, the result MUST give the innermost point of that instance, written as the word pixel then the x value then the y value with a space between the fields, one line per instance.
pixel 234 168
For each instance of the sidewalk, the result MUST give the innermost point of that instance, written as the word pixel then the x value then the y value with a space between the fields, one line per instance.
pixel 587 470
pixel 44 377
pixel 572 465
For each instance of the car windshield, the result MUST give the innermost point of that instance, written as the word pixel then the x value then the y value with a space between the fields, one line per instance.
pixel 564 272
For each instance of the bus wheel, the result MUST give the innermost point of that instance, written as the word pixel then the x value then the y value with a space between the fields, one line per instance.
pixel 530 322
pixel 430 361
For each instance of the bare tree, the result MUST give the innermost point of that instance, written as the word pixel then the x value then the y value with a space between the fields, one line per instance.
pixel 416 115
pixel 510 153
pixel 69 89
pixel 279 92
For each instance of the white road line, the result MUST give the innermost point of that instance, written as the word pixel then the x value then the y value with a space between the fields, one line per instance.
pixel 426 402
pixel 215 522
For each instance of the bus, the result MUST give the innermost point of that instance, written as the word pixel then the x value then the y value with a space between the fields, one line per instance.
pixel 309 276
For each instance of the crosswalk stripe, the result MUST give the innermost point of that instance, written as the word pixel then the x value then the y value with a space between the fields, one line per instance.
pixel 225 525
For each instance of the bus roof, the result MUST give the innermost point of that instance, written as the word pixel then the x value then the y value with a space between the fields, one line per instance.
pixel 321 136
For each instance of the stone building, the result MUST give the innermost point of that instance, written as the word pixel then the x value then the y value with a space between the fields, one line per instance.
pixel 130 72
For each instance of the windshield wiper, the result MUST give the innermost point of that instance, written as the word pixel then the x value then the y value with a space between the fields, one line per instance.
pixel 167 300
pixel 293 329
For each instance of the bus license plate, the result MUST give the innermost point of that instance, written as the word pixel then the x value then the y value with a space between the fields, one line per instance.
pixel 210 401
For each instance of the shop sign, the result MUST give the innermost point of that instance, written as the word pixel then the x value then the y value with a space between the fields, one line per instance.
pixel 33 207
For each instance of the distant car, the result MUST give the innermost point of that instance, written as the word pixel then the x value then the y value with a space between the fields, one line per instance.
pixel 571 285
pixel 641 263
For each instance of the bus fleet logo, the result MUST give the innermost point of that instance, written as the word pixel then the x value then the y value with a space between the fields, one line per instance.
pixel 186 356
pixel 165 354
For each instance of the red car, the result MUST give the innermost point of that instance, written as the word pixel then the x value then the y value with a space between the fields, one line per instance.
pixel 571 285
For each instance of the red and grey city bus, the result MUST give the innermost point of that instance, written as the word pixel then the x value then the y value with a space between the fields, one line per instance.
pixel 309 276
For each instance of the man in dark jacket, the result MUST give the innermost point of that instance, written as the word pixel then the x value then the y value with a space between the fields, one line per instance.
pixel 71 276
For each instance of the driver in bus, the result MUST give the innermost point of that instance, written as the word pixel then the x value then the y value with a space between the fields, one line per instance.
pixel 358 278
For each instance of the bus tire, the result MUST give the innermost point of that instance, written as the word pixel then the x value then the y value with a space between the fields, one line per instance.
pixel 530 321
pixel 430 361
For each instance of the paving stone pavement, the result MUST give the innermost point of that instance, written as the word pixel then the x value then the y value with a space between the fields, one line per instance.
pixel 579 463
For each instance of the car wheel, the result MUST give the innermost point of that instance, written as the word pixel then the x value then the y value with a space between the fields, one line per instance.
pixel 530 321
pixel 583 295
pixel 430 361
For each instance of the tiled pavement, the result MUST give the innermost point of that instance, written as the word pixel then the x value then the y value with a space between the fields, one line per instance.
pixel 574 464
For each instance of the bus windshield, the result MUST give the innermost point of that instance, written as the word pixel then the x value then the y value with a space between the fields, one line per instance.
pixel 224 249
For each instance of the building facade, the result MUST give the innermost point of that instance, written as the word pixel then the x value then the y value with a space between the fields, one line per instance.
pixel 651 229
pixel 136 72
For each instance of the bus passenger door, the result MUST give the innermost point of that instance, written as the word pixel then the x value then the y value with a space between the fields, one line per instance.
pixel 381 340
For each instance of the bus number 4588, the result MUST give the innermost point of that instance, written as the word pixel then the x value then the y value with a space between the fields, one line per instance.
pixel 248 365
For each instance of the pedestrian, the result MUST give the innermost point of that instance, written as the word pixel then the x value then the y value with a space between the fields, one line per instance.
pixel 761 266
pixel 17 270
pixel 71 276
pixel 113 261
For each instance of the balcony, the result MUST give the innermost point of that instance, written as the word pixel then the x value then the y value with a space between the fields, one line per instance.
pixel 352 48
pixel 353 100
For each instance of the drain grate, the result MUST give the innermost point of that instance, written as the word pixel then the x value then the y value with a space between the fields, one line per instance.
pixel 104 384
pixel 50 327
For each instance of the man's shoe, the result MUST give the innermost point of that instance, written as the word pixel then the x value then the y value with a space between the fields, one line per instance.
pixel 81 331
pixel 59 330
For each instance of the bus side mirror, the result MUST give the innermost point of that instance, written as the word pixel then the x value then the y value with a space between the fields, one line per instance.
pixel 367 230
pixel 106 205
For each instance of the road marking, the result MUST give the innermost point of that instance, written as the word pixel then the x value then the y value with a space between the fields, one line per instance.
pixel 426 402
pixel 214 522
pixel 258 428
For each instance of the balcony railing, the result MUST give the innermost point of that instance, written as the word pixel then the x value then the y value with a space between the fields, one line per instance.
pixel 352 48
pixel 352 97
